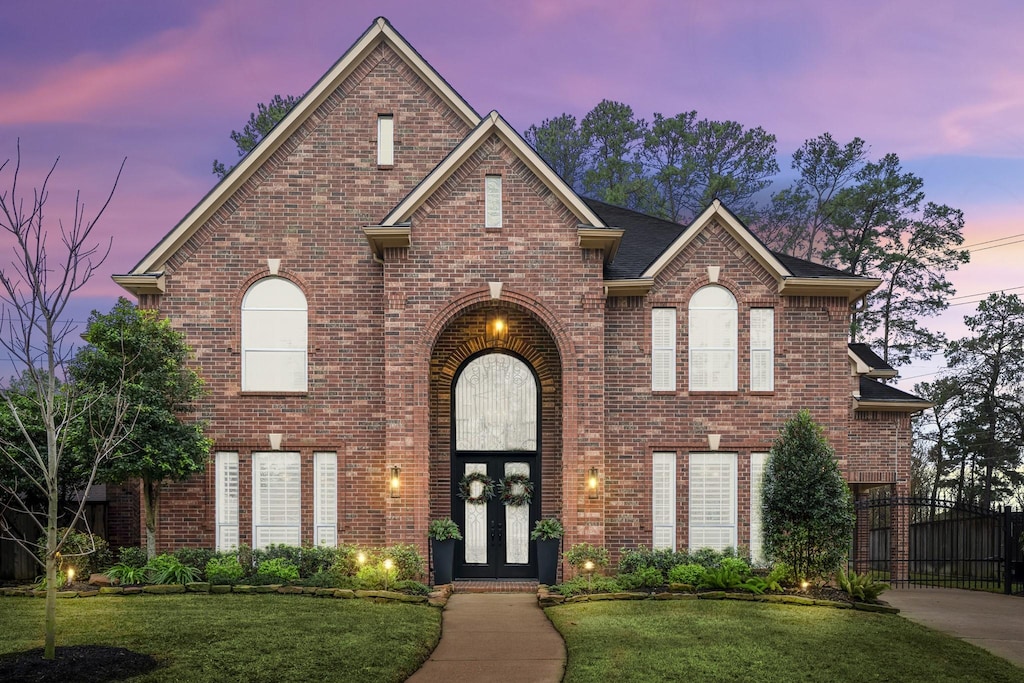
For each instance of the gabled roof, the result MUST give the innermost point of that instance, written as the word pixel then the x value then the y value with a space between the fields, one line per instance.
pixel 867 362
pixel 492 124
pixel 650 244
pixel 380 31
pixel 876 396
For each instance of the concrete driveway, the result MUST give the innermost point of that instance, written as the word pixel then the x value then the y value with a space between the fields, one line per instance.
pixel 990 621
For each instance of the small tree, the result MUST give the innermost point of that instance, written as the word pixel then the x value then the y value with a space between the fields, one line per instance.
pixel 153 355
pixel 39 274
pixel 807 509
pixel 261 122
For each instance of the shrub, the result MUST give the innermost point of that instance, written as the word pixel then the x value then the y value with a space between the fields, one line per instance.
pixel 85 553
pixel 862 586
pixel 316 559
pixel 722 578
pixel 407 561
pixel 807 509
pixel 735 564
pixel 691 574
pixel 376 577
pixel 646 577
pixel 583 585
pixel 167 568
pixel 133 556
pixel 277 570
pixel 194 557
pixel 581 553
pixel 224 570
pixel 126 574
pixel 412 587
pixel 632 560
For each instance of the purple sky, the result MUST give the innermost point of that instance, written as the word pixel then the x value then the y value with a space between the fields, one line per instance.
pixel 939 82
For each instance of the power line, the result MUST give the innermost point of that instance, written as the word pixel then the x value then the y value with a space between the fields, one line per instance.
pixel 1000 239
pixel 996 291
pixel 996 246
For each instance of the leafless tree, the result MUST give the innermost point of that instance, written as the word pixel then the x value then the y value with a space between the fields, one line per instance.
pixel 39 277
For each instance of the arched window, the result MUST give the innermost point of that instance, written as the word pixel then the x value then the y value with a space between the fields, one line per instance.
pixel 712 327
pixel 274 337
pixel 496 405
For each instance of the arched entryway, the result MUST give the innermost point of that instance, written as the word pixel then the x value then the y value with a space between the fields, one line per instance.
pixel 495 465
pixel 495 408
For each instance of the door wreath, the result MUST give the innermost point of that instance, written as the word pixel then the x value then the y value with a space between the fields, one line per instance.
pixel 516 490
pixel 466 488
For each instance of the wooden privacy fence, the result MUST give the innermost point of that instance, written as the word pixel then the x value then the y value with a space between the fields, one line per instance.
pixel 947 544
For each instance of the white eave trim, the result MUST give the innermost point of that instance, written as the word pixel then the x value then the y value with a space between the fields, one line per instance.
pixel 146 283
pixel 378 32
pixel 849 287
pixel 492 123
pixel 632 287
pixel 862 368
pixel 733 227
pixel 860 405
pixel 383 237
pixel 605 239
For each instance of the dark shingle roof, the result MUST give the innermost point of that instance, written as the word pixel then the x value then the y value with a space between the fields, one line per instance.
pixel 870 358
pixel 647 237
pixel 871 390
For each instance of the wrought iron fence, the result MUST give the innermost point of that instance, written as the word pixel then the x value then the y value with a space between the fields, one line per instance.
pixel 938 542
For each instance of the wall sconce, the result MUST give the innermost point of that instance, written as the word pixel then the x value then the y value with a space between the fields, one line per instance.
pixel 394 482
pixel 497 328
pixel 592 482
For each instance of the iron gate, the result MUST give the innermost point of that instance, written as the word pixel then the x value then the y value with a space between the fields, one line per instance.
pixel 938 542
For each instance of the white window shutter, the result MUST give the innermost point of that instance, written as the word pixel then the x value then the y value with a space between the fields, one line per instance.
pixel 663 499
pixel 492 201
pixel 385 140
pixel 226 465
pixel 325 502
pixel 276 499
pixel 663 349
pixel 712 513
pixel 757 461
pixel 762 349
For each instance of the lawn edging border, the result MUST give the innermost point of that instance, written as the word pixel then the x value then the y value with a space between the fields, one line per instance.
pixel 546 598
pixel 436 598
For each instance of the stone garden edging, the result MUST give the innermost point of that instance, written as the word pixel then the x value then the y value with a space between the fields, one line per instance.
pixel 545 598
pixel 437 598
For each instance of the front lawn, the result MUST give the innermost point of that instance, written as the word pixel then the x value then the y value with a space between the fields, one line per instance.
pixel 200 637
pixel 722 640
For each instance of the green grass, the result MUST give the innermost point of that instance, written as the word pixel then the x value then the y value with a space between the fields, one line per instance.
pixel 705 640
pixel 239 637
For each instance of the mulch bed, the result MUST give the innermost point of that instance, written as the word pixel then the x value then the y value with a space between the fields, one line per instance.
pixel 80 663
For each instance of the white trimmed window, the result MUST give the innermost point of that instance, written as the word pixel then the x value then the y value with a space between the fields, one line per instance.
pixel 663 499
pixel 325 501
pixel 712 500
pixel 663 349
pixel 757 461
pixel 762 349
pixel 276 499
pixel 226 465
pixel 492 201
pixel 712 328
pixel 385 140
pixel 274 337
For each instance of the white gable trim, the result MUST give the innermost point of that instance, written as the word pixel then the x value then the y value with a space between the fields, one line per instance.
pixel 493 123
pixel 378 32
pixel 733 227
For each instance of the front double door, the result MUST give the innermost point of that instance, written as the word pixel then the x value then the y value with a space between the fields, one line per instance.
pixel 496 535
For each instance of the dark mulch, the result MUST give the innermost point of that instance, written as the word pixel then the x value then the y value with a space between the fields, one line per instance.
pixel 80 663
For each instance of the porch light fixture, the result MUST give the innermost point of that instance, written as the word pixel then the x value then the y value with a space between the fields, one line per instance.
pixel 497 328
pixel 394 482
pixel 592 482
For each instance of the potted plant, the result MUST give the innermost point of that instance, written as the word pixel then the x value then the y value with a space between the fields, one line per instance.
pixel 442 534
pixel 548 534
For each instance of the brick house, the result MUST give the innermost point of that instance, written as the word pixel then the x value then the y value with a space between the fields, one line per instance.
pixel 392 292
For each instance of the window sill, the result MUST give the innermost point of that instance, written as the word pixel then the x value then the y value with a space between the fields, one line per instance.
pixel 273 393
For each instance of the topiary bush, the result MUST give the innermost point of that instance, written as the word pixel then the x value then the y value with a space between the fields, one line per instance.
pixel 807 510
pixel 691 574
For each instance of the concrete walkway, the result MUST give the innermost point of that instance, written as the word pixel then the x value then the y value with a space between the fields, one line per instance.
pixel 990 621
pixel 495 637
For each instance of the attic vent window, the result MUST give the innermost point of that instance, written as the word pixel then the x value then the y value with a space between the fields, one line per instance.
pixel 492 201
pixel 386 140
